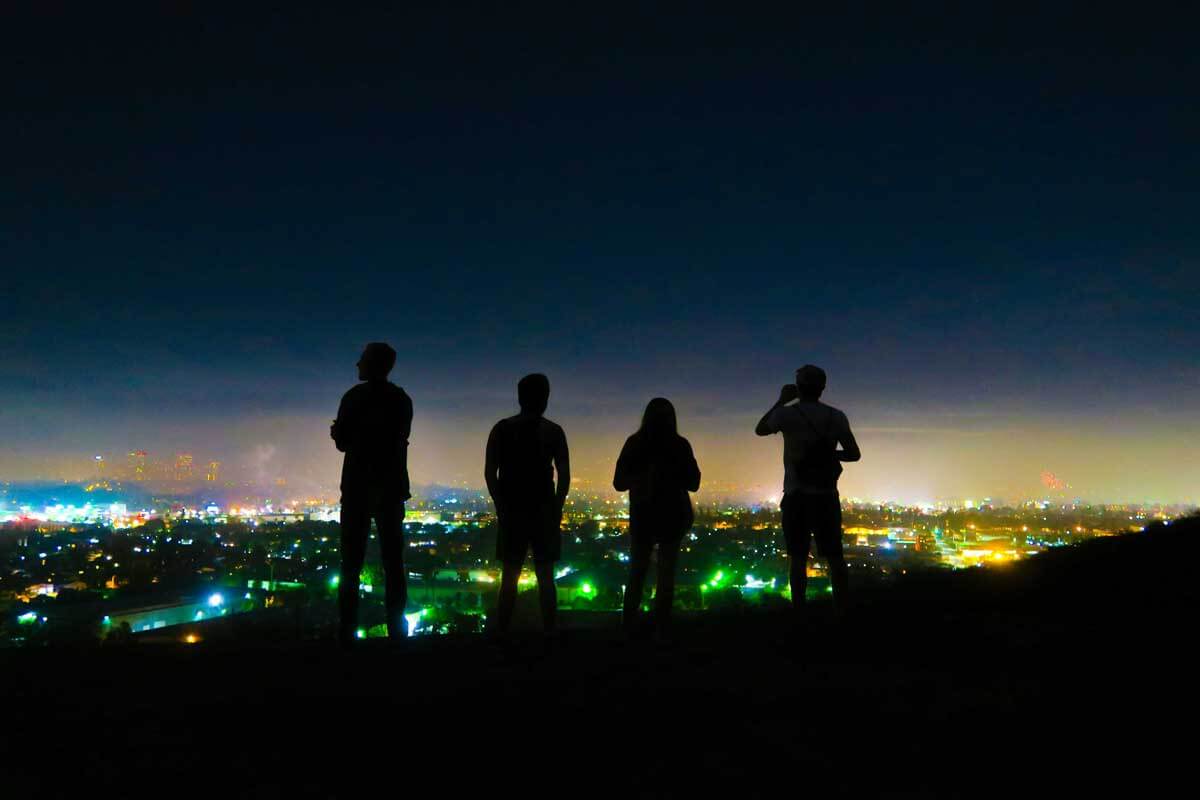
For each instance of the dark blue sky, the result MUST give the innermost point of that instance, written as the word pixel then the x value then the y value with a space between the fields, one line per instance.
pixel 981 222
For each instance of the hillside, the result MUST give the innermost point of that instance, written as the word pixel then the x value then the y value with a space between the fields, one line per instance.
pixel 1066 670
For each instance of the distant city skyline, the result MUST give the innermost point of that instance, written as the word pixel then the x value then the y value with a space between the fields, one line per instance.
pixel 921 462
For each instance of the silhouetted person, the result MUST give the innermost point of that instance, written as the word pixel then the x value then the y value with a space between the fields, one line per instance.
pixel 657 468
pixel 811 507
pixel 372 428
pixel 523 454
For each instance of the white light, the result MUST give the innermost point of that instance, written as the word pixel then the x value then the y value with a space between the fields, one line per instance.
pixel 215 600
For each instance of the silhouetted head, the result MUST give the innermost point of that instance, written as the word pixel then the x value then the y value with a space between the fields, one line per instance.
pixel 659 420
pixel 533 393
pixel 810 382
pixel 376 362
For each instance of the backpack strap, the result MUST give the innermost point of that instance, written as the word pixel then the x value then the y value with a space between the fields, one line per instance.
pixel 830 432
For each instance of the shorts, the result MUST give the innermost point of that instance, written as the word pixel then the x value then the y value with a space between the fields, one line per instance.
pixel 535 528
pixel 812 516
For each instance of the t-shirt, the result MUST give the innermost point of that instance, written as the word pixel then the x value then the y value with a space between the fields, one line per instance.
pixel 811 430
pixel 372 428
pixel 525 447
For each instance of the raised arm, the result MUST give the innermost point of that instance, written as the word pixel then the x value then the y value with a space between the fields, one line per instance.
pixel 849 451
pixel 786 395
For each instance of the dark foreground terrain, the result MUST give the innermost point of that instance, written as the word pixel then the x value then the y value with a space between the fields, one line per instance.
pixel 1071 672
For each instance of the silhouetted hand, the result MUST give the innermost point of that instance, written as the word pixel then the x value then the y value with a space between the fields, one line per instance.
pixel 788 393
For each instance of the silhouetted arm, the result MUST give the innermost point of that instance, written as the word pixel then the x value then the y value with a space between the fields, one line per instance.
pixel 406 416
pixel 691 470
pixel 849 451
pixel 623 478
pixel 340 429
pixel 562 468
pixel 786 395
pixel 491 467
pixel 405 413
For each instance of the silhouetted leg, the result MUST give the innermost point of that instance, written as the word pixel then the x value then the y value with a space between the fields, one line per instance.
pixel 390 523
pixel 839 579
pixel 835 559
pixel 633 596
pixel 797 533
pixel 507 600
pixel 798 579
pixel 356 523
pixel 639 565
pixel 547 594
pixel 664 596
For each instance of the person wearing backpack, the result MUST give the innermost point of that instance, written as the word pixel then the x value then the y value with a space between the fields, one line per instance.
pixel 658 469
pixel 525 455
pixel 812 462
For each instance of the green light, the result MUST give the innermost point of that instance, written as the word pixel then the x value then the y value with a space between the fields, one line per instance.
pixel 360 633
pixel 587 589
pixel 107 620
pixel 28 618
pixel 413 620
pixel 334 581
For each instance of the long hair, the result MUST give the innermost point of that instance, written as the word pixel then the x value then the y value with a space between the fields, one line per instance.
pixel 658 422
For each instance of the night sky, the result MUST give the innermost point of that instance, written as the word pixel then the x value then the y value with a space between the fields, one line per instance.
pixel 983 224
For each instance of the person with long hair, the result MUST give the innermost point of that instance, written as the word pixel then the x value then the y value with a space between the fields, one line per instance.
pixel 658 469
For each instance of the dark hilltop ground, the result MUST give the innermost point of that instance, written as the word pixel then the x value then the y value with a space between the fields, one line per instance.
pixel 1066 673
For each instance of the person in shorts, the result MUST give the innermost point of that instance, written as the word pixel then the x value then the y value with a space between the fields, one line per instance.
pixel 528 474
pixel 816 440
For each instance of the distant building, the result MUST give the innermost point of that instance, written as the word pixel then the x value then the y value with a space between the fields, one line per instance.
pixel 149 618
pixel 183 467
pixel 137 465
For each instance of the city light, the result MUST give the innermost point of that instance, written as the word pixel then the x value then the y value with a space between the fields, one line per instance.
pixel 731 550
pixel 413 620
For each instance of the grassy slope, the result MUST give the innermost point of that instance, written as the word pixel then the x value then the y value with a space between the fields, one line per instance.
pixel 1070 669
